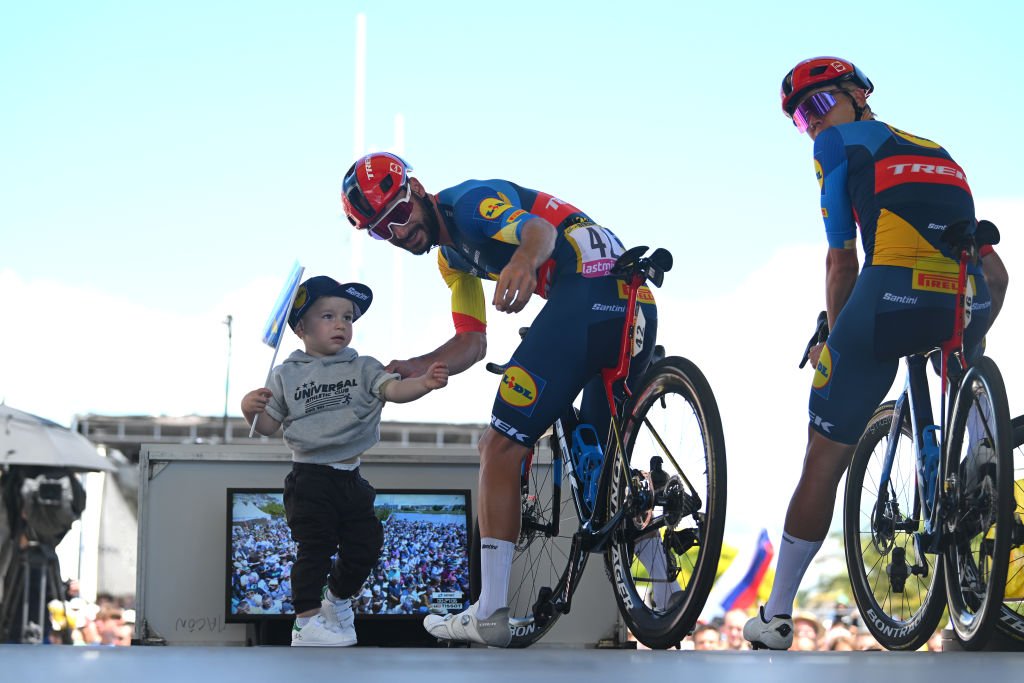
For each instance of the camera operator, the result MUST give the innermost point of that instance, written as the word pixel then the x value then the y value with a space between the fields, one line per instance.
pixel 40 504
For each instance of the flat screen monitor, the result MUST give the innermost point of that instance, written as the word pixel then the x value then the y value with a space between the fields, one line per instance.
pixel 424 563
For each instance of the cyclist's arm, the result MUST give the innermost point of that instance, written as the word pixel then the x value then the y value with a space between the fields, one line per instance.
pixel 518 279
pixel 997 279
pixel 841 267
pixel 469 344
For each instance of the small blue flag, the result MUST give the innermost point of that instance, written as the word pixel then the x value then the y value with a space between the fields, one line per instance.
pixel 278 319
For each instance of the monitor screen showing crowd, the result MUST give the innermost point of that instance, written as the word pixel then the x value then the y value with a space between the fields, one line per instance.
pixel 424 563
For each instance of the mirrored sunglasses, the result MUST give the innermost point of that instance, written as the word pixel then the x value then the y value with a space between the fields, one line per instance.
pixel 395 215
pixel 816 105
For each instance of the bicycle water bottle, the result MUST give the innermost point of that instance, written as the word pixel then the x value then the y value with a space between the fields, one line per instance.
pixel 586 451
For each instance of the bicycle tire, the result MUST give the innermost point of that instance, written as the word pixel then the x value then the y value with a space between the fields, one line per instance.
pixel 539 561
pixel 978 515
pixel 900 617
pixel 674 400
pixel 1011 616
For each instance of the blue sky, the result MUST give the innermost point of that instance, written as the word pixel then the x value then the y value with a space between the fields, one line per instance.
pixel 162 165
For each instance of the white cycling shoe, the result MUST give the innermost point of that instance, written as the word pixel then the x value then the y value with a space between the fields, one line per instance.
pixel 466 627
pixel 774 634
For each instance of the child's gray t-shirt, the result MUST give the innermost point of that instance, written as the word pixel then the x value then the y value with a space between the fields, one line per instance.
pixel 329 407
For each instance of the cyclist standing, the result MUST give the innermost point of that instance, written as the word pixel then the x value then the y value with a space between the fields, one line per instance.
pixel 529 242
pixel 902 191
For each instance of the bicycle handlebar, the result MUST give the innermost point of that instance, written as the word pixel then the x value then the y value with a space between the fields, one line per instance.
pixel 819 336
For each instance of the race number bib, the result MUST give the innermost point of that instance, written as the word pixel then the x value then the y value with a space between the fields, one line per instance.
pixel 596 248
pixel 639 331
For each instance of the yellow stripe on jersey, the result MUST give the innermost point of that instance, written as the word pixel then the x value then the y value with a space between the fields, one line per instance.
pixel 467 296
pixel 897 243
pixel 508 234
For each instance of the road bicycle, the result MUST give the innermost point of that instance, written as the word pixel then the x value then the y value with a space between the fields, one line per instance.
pixel 652 500
pixel 1011 616
pixel 930 505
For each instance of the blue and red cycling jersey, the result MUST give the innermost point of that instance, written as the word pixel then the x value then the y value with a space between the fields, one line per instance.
pixel 485 219
pixel 576 333
pixel 902 191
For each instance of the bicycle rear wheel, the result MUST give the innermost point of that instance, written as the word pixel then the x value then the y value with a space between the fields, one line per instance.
pixel 1011 616
pixel 540 557
pixel 979 486
pixel 899 592
pixel 663 558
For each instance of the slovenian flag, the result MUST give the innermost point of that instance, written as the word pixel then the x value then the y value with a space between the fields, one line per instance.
pixel 278 319
pixel 744 594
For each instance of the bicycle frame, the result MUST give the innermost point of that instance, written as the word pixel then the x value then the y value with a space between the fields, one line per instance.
pixel 588 539
pixel 919 411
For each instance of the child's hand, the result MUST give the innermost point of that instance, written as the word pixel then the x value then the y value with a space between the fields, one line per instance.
pixel 255 402
pixel 436 376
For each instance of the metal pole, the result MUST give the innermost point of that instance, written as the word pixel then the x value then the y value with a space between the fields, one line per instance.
pixel 227 378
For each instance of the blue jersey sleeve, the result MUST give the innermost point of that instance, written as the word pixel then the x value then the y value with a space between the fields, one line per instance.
pixel 830 165
pixel 486 211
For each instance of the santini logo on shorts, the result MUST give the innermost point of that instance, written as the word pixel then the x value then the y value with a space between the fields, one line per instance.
pixel 898 170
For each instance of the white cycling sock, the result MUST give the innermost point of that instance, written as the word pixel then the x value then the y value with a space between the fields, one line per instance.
pixel 795 557
pixel 652 555
pixel 495 567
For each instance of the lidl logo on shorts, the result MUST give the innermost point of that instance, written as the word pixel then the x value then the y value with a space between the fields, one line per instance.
pixel 823 373
pixel 519 388
pixel 819 174
pixel 492 207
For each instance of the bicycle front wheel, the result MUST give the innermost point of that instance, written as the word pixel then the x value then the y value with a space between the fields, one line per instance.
pixel 899 593
pixel 663 558
pixel 542 552
pixel 978 480
pixel 1011 616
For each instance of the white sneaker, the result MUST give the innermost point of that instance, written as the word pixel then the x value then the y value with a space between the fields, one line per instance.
pixel 318 632
pixel 466 627
pixel 775 634
pixel 336 611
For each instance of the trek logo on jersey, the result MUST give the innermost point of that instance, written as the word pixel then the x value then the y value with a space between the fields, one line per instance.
pixel 898 170
pixel 913 139
pixel 518 388
pixel 819 174
pixel 492 207
pixel 643 295
pixel 821 384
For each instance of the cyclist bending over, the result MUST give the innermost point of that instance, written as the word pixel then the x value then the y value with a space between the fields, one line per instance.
pixel 528 242
pixel 902 190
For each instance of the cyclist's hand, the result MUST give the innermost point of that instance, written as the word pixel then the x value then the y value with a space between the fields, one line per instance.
pixel 436 376
pixel 255 402
pixel 515 285
pixel 814 353
pixel 406 368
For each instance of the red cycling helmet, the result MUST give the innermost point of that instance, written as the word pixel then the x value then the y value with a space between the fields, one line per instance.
pixel 819 72
pixel 371 185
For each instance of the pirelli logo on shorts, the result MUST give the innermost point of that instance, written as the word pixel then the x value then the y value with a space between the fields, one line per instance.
pixel 930 281
pixel 644 295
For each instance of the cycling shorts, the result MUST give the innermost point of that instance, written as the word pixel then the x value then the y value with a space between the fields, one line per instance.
pixel 885 319
pixel 575 335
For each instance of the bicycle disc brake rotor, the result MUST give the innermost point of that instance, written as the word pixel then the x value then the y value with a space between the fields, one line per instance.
pixel 642 503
